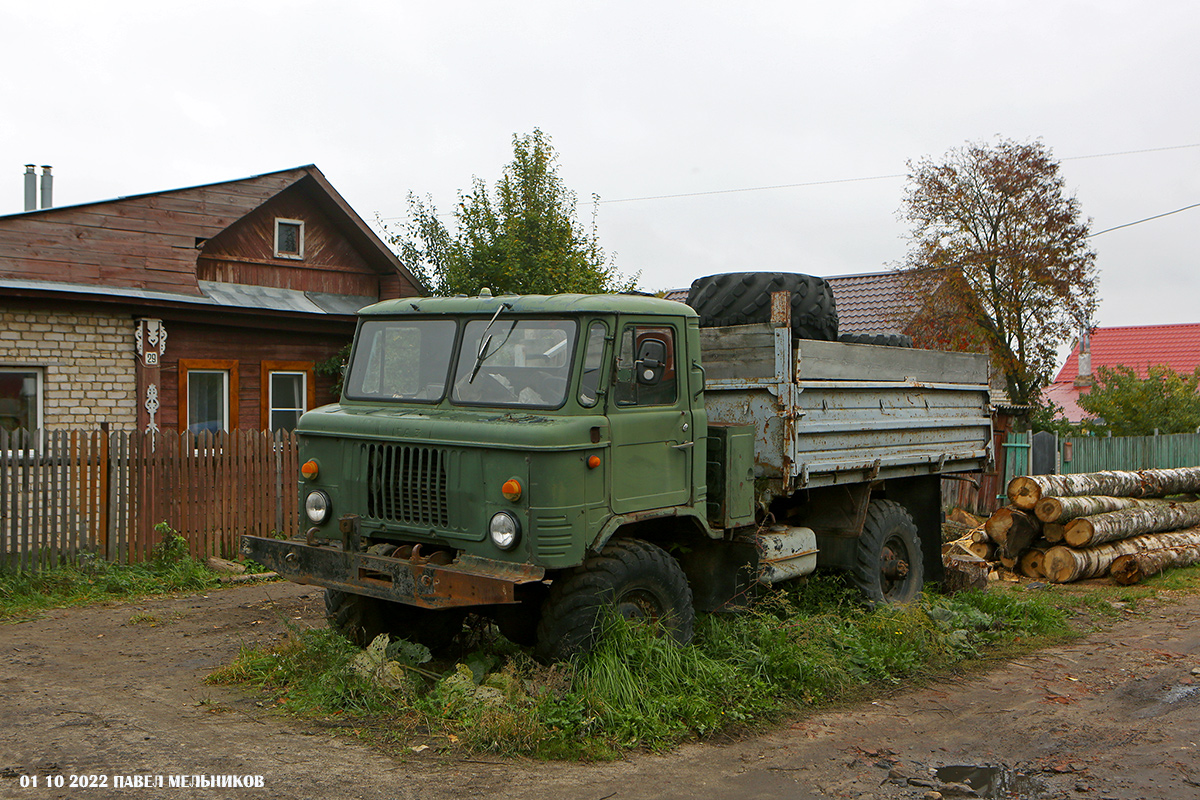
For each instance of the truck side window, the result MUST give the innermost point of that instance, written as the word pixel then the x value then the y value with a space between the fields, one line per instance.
pixel 662 389
pixel 589 382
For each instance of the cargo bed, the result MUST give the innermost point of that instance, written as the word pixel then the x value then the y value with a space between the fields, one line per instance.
pixel 829 412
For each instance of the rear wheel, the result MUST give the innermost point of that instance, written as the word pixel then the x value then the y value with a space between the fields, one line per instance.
pixel 637 579
pixel 889 566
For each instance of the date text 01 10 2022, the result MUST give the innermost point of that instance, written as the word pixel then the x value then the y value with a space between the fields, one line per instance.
pixel 60 781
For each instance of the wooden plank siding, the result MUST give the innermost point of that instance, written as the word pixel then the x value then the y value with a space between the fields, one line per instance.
pixel 65 493
pixel 249 350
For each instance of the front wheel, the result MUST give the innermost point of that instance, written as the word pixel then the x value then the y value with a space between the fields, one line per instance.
pixel 360 619
pixel 637 579
pixel 889 566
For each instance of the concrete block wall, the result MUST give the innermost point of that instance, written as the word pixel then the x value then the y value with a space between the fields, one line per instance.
pixel 87 360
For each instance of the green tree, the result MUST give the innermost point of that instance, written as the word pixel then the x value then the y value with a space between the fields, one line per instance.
pixel 1128 405
pixel 523 237
pixel 999 255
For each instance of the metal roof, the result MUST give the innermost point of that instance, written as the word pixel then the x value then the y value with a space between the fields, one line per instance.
pixel 215 294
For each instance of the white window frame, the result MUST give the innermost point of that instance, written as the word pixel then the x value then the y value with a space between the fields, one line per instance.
pixel 271 407
pixel 299 255
pixel 224 373
pixel 39 373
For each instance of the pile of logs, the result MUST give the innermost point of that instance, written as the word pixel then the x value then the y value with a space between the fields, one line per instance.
pixel 1065 528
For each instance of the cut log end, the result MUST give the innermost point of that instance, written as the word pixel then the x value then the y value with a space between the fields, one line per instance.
pixel 1125 570
pixel 1024 493
pixel 1048 509
pixel 1078 533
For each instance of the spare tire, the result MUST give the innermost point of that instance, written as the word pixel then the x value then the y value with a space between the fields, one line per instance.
pixel 885 339
pixel 739 298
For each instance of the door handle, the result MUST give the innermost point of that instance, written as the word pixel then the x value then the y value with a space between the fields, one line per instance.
pixel 684 446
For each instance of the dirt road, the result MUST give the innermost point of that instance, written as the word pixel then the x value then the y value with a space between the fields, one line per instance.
pixel 116 692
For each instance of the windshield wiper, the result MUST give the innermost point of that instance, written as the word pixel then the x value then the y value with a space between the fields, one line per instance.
pixel 484 340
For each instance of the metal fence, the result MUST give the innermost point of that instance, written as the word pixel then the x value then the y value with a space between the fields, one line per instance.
pixel 67 492
pixel 1095 453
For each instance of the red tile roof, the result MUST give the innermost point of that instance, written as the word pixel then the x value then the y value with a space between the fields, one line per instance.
pixel 1137 347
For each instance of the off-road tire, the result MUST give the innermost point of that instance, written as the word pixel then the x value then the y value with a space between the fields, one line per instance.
pixel 360 619
pixel 889 566
pixel 639 579
pixel 884 339
pixel 739 298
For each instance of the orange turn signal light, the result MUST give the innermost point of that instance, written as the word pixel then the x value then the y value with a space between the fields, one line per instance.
pixel 309 469
pixel 593 462
pixel 511 490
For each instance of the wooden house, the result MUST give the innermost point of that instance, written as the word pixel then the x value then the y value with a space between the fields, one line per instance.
pixel 202 308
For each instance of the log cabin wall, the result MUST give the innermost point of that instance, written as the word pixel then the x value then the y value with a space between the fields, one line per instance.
pixel 245 252
pixel 143 242
pixel 243 352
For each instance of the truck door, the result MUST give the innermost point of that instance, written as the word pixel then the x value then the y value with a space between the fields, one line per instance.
pixel 650 420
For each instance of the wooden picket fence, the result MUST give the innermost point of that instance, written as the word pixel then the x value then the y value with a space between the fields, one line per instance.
pixel 63 493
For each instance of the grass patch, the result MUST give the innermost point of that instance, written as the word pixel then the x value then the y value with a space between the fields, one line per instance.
pixel 91 579
pixel 805 646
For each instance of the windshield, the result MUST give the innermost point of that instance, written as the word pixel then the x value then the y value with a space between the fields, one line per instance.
pixel 401 359
pixel 514 362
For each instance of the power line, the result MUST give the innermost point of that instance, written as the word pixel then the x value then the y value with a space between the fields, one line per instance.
pixel 1132 152
pixel 1140 221
pixel 750 189
pixel 859 180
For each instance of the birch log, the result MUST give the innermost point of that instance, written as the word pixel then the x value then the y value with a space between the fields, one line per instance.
pixel 1053 532
pixel 1100 528
pixel 1132 568
pixel 1025 492
pixel 1031 561
pixel 1061 510
pixel 1012 523
pixel 1065 564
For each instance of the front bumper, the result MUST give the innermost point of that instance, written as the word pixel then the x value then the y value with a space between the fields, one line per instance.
pixel 465 581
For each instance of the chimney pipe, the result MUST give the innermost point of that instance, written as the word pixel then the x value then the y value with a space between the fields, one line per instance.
pixel 30 188
pixel 47 187
pixel 1084 378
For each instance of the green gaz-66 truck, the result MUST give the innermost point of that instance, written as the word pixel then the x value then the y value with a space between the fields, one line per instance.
pixel 534 459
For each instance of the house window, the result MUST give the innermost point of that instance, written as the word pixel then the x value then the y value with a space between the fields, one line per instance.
pixel 20 398
pixel 289 238
pixel 287 399
pixel 208 396
pixel 287 392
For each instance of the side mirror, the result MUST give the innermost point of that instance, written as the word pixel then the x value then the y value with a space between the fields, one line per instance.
pixel 651 361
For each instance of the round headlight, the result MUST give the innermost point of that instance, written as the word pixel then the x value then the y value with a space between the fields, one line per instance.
pixel 316 506
pixel 505 530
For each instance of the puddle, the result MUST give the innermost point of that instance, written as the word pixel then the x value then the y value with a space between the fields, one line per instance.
pixel 1168 700
pixel 994 782
pixel 1178 693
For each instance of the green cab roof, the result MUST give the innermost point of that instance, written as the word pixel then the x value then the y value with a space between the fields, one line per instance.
pixel 532 304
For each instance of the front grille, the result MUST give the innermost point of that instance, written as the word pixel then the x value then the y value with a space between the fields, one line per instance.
pixel 407 484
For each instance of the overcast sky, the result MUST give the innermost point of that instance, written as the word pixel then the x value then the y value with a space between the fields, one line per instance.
pixel 641 99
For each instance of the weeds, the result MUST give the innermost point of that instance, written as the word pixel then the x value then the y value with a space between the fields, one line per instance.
pixel 805 646
pixel 91 579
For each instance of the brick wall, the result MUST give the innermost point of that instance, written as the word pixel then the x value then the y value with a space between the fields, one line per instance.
pixel 87 363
